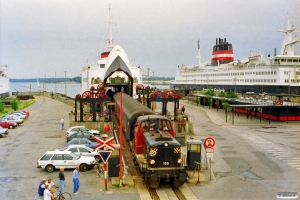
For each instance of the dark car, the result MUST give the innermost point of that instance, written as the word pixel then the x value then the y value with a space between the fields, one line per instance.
pixel 84 141
pixel 7 124
pixel 86 135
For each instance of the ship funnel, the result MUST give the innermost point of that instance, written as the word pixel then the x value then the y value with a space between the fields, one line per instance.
pixel 274 51
pixel 224 40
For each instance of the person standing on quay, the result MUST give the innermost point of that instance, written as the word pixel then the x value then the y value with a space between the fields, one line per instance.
pixel 76 180
pixel 61 178
pixel 107 129
pixel 62 121
pixel 183 109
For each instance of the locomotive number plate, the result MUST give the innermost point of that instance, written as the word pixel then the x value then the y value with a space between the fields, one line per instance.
pixel 165 163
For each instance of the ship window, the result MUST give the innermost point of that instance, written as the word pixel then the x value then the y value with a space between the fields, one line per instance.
pixel 268 73
pixel 289 60
pixel 295 60
pixel 271 72
pixel 275 73
pixel 271 80
pixel 283 60
pixel 102 65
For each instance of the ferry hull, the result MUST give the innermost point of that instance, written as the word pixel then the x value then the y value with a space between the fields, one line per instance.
pixel 241 88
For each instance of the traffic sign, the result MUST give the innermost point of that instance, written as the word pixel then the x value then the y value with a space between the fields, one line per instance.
pixel 209 142
pixel 104 155
pixel 105 143
pixel 209 155
pixel 209 150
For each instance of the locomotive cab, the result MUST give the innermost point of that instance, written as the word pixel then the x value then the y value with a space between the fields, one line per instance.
pixel 164 160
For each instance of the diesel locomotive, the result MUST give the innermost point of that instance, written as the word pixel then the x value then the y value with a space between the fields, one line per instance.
pixel 156 151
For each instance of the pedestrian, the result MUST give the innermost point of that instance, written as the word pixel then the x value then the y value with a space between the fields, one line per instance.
pixel 182 110
pixel 50 183
pixel 107 129
pixel 62 121
pixel 41 188
pixel 76 180
pixel 61 178
pixel 47 194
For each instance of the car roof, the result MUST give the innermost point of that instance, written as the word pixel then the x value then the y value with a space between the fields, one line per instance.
pixel 56 152
pixel 77 145
pixel 80 139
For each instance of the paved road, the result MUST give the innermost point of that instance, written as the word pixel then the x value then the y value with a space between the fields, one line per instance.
pixel 19 176
pixel 252 159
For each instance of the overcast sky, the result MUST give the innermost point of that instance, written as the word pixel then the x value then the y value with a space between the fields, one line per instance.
pixel 39 37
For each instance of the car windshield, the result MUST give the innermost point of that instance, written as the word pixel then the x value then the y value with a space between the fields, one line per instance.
pixel 63 148
pixel 74 156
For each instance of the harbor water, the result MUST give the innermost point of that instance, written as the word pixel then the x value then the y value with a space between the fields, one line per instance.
pixel 70 89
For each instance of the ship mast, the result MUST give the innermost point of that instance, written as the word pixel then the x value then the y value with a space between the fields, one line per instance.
pixel 198 55
pixel 289 41
pixel 109 44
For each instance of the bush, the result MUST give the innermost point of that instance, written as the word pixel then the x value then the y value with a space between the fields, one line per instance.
pixel 2 106
pixel 14 104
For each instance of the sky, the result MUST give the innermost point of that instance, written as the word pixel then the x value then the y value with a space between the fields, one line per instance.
pixel 41 38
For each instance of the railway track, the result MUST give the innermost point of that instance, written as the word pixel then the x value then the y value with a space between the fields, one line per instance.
pixel 166 191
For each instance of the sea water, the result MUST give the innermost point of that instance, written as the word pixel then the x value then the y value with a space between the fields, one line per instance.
pixel 70 89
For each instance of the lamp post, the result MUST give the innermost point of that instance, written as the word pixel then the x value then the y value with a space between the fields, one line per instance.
pixel 148 75
pixel 153 79
pixel 65 83
pixel 45 82
pixel 55 82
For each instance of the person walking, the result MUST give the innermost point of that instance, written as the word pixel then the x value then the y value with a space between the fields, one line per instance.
pixel 62 121
pixel 76 180
pixel 41 188
pixel 182 110
pixel 61 178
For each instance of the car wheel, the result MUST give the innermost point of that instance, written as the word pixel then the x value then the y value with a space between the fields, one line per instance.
pixel 84 167
pixel 10 127
pixel 0 136
pixel 50 168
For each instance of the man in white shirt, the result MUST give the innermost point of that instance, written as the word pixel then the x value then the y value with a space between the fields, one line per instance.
pixel 47 194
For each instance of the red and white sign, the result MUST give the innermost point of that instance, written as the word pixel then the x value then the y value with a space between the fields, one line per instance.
pixel 105 143
pixel 209 142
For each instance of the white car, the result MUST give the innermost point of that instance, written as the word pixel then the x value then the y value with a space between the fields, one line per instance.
pixel 52 160
pixel 81 129
pixel 82 150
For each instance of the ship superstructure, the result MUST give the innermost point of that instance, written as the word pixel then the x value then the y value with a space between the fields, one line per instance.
pixel 276 74
pixel 4 81
pixel 114 70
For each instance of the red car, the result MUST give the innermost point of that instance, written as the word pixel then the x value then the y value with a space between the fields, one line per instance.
pixel 6 124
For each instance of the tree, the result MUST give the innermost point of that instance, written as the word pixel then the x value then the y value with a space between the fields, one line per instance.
pixel 231 95
pixel 2 106
pixel 14 104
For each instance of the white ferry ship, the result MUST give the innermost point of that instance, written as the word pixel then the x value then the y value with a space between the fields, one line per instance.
pixel 114 70
pixel 276 74
pixel 4 81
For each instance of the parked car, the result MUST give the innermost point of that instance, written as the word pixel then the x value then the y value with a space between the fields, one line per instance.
pixel 81 129
pixel 22 112
pixel 52 160
pixel 20 115
pixel 81 150
pixel 7 124
pixel 13 119
pixel 3 132
pixel 79 135
pixel 84 141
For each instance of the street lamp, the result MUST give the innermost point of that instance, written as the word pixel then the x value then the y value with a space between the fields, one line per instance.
pixel 148 75
pixel 45 82
pixel 55 82
pixel 153 79
pixel 65 83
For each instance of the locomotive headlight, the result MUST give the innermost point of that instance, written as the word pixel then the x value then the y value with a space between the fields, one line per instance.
pixel 166 144
pixel 152 161
pixel 179 160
